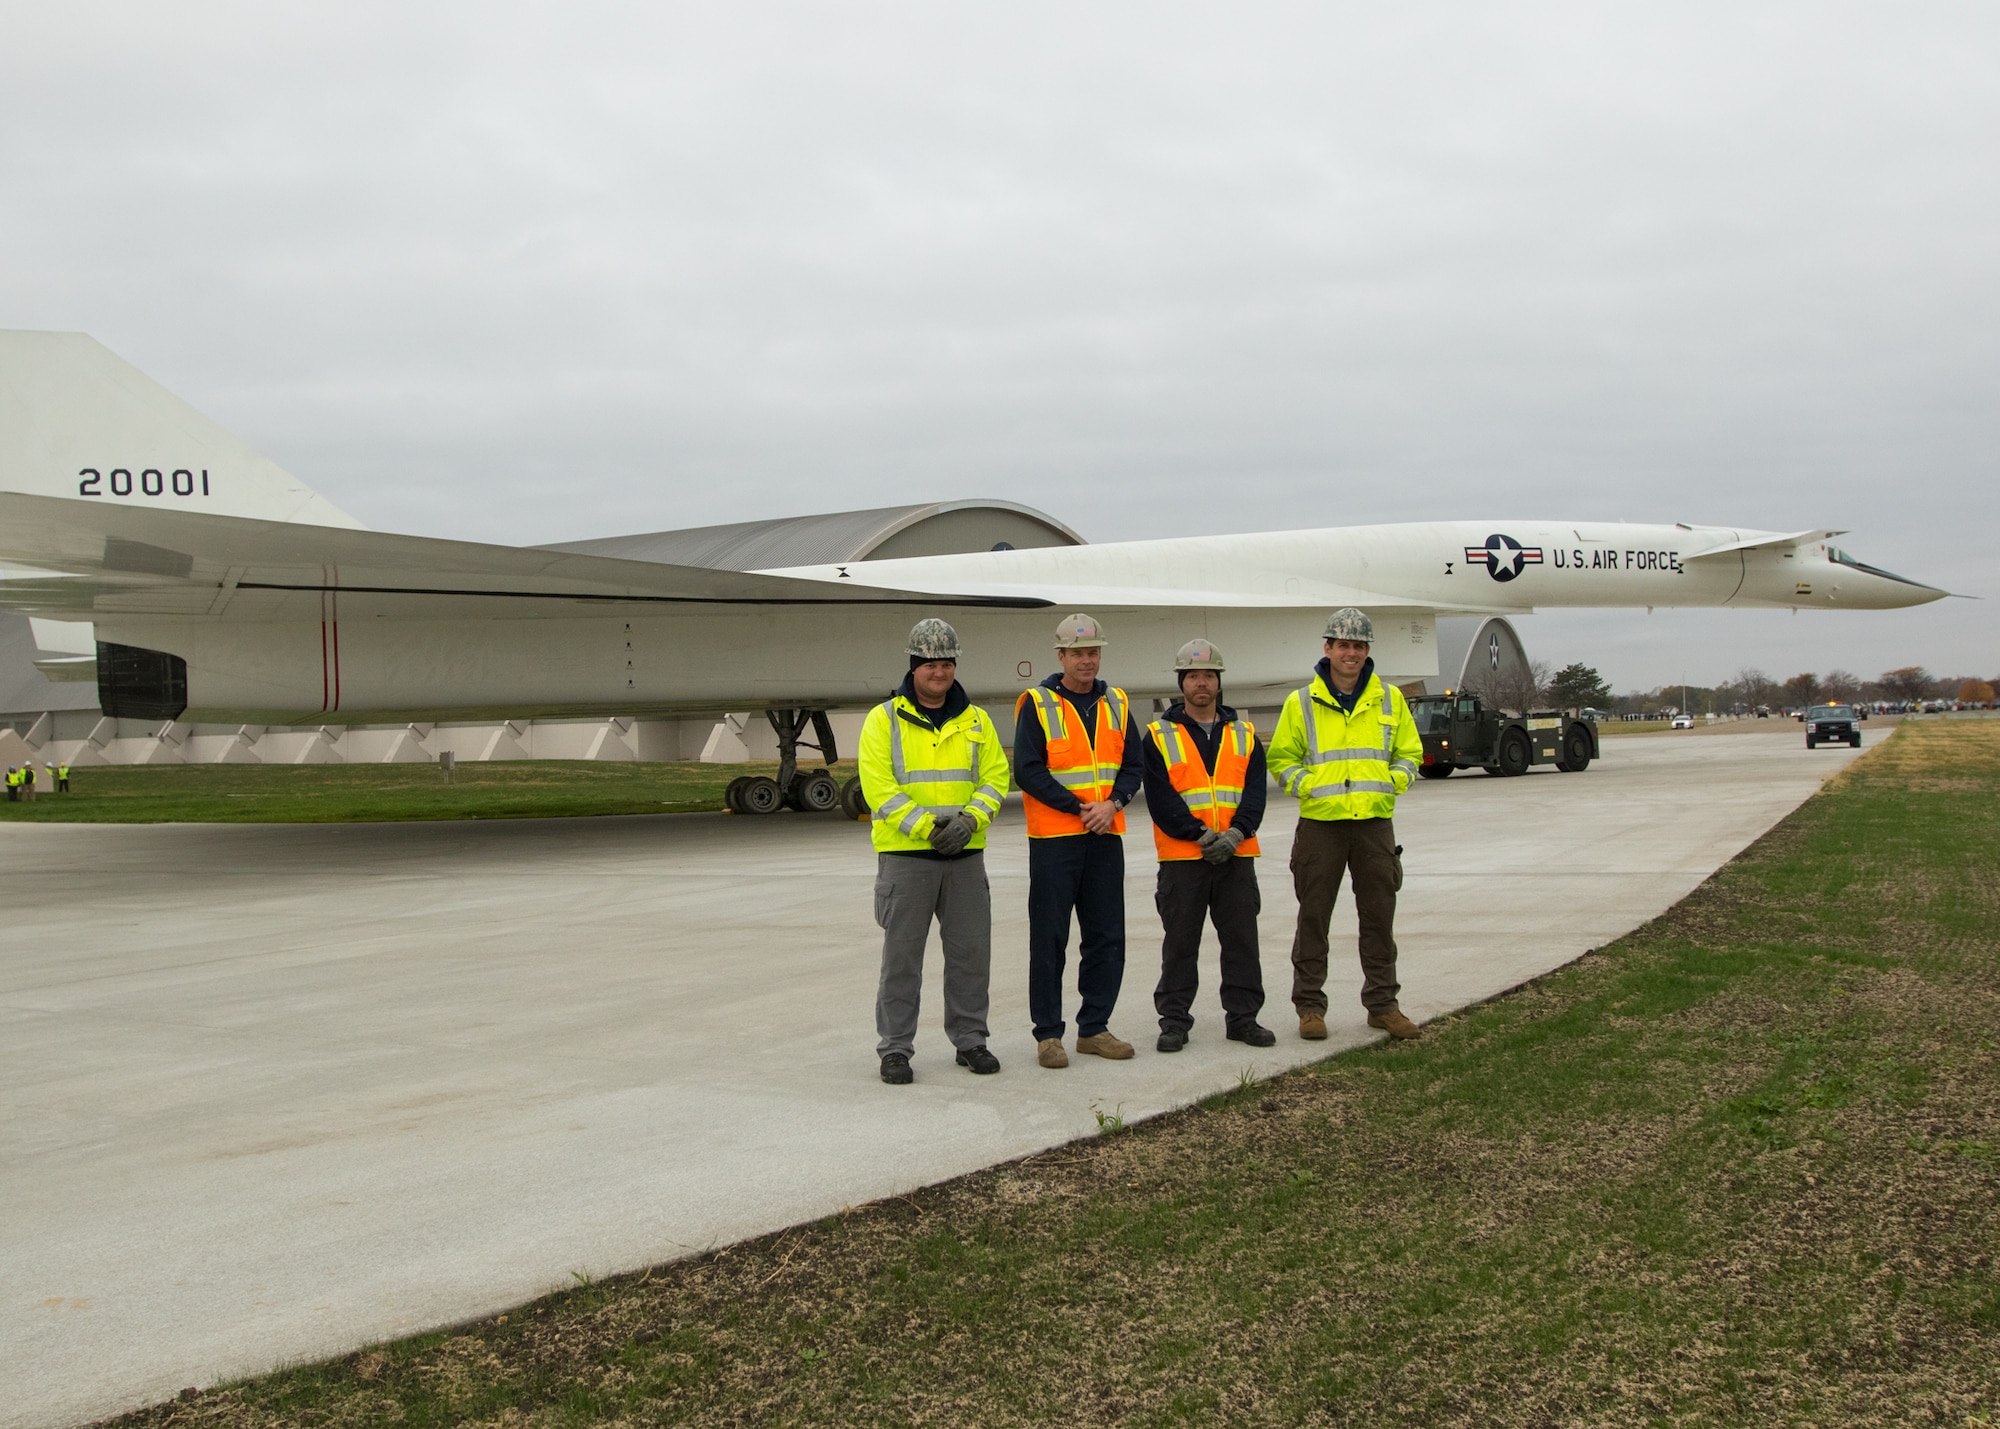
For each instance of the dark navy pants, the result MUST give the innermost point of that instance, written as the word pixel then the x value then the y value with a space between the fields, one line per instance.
pixel 1084 874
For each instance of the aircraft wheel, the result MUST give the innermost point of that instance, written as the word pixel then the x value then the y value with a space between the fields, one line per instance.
pixel 852 802
pixel 815 793
pixel 1514 753
pixel 759 796
pixel 731 794
pixel 1435 771
pixel 1576 752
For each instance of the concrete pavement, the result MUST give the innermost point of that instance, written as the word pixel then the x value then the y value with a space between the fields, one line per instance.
pixel 269 1093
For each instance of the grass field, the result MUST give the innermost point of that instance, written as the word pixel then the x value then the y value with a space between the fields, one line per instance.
pixel 362 793
pixel 1741 1166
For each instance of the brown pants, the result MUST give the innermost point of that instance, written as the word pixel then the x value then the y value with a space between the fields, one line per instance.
pixel 1365 849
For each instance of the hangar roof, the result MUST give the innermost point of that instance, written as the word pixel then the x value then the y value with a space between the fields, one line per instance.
pixel 883 533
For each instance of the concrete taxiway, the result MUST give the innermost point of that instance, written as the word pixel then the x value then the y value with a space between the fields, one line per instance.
pixel 271 1093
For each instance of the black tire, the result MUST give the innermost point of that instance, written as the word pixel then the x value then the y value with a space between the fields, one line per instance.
pixel 1811 743
pixel 1856 741
pixel 1435 771
pixel 730 794
pixel 853 802
pixel 1576 751
pixel 815 793
pixel 759 795
pixel 1515 754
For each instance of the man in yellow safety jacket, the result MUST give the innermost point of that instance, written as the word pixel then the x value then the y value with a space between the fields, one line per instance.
pixel 934 775
pixel 13 785
pixel 1205 795
pixel 1345 747
pixel 1077 759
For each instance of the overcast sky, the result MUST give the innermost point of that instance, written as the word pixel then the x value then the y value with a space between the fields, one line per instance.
pixel 529 274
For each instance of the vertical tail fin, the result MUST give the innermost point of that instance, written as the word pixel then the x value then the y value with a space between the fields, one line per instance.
pixel 77 420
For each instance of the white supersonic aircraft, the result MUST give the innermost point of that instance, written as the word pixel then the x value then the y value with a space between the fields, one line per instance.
pixel 223 590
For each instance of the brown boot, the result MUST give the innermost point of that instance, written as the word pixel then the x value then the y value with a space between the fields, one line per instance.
pixel 1049 1052
pixel 1392 1021
pixel 1105 1045
pixel 1312 1026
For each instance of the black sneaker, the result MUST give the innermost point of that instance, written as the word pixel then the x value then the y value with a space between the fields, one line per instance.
pixel 1254 1033
pixel 982 1062
pixel 1172 1039
pixel 896 1070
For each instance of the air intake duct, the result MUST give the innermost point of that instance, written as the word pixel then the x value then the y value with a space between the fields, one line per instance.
pixel 140 684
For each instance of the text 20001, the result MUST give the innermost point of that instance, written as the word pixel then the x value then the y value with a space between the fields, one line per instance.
pixel 151 481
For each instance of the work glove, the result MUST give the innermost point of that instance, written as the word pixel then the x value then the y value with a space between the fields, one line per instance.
pixel 950 836
pixel 1206 841
pixel 1224 846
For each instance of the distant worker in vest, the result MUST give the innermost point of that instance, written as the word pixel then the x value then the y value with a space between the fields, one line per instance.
pixel 28 781
pixel 1078 762
pixel 13 785
pixel 62 777
pixel 1205 793
pixel 1345 747
pixel 934 775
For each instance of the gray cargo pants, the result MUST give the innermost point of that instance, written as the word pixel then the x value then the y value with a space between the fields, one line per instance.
pixel 909 892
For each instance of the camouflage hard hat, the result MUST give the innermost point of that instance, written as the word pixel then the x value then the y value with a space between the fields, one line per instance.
pixel 1348 623
pixel 1199 655
pixel 1078 632
pixel 932 639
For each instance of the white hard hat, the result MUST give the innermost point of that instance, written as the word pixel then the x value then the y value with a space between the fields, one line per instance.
pixel 1078 632
pixel 1199 655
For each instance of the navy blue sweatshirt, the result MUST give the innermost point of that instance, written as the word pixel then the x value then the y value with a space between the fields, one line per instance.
pixel 1031 751
pixel 1164 803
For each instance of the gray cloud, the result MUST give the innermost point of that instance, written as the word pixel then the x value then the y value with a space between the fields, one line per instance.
pixel 529 274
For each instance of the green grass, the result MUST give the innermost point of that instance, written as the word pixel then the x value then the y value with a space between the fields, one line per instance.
pixel 1737 1167
pixel 363 793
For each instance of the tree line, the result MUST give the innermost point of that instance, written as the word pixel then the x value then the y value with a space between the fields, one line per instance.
pixel 1579 686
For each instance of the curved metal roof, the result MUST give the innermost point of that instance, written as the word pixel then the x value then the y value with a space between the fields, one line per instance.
pixel 933 529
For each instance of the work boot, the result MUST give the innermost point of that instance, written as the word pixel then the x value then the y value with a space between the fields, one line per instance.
pixel 1312 1026
pixel 1392 1021
pixel 896 1069
pixel 1256 1035
pixel 1172 1039
pixel 1104 1045
pixel 1049 1052
pixel 982 1062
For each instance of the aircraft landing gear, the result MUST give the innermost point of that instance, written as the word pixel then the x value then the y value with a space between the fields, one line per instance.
pixel 810 792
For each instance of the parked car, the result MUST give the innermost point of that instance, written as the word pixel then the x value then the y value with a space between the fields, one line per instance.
pixel 1831 724
pixel 1683 722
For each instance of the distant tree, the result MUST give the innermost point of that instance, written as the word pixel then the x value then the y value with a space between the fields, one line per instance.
pixel 1578 686
pixel 1910 682
pixel 1975 692
pixel 1802 690
pixel 1754 687
pixel 1839 686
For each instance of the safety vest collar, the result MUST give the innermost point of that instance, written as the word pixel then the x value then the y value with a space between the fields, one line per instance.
pixel 1368 689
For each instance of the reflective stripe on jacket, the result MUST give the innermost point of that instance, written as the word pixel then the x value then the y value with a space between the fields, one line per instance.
pixel 913 775
pixel 1085 767
pixel 1340 765
pixel 1212 798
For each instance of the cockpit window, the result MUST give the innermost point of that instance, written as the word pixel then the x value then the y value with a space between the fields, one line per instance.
pixel 1841 558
